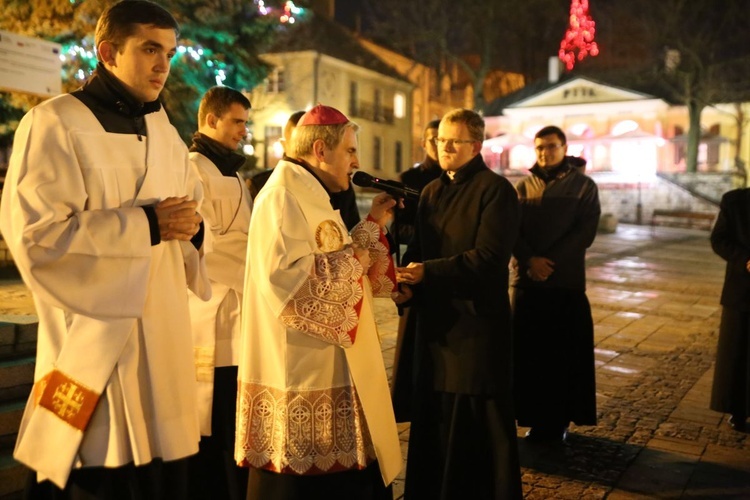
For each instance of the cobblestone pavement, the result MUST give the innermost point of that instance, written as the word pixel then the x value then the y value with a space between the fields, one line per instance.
pixel 654 298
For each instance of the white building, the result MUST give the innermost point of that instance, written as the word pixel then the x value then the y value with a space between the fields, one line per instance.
pixel 320 62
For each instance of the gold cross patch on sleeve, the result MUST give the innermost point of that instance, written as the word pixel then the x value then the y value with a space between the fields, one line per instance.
pixel 68 399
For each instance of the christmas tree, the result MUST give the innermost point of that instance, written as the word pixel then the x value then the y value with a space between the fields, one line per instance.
pixel 579 38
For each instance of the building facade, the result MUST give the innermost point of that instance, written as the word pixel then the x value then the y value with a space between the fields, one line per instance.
pixel 379 103
pixel 621 132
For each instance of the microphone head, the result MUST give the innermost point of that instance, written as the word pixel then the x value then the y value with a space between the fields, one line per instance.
pixel 362 179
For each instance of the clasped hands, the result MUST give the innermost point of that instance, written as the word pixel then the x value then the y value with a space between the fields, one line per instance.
pixel 540 268
pixel 178 219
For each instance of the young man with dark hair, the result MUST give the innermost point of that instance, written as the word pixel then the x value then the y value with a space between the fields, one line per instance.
pixel 222 125
pixel 552 325
pixel 99 210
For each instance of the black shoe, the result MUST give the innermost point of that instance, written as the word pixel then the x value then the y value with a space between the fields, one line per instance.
pixel 738 423
pixel 546 435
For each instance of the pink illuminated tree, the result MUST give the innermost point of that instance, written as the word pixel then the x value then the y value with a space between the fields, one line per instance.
pixel 579 38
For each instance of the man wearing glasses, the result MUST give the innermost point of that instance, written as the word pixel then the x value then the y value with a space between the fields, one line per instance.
pixel 463 431
pixel 552 325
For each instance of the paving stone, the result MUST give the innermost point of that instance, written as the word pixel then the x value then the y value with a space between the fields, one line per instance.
pixel 655 308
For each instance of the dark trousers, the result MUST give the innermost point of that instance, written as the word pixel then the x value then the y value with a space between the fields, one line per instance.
pixel 213 472
pixel 553 347
pixel 731 387
pixel 154 481
pixel 364 484
pixel 462 446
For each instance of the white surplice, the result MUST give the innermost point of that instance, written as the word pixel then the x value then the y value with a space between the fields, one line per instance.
pixel 226 213
pixel 313 394
pixel 113 311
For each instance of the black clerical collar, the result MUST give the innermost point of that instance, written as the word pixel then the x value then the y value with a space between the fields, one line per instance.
pixel 309 168
pixel 112 94
pixel 469 169
pixel 226 160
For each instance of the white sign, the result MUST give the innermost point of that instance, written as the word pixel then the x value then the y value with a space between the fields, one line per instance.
pixel 30 65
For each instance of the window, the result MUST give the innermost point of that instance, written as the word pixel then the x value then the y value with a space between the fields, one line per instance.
pixel 399 156
pixel 273 150
pixel 399 105
pixel 376 146
pixel 353 98
pixel 378 106
pixel 275 81
pixel 624 127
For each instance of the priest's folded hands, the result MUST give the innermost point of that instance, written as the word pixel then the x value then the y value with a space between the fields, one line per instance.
pixel 178 219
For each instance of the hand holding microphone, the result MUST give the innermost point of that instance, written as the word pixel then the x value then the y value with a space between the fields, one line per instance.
pixel 393 188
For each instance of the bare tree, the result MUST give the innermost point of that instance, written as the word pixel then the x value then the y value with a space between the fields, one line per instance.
pixel 477 35
pixel 704 47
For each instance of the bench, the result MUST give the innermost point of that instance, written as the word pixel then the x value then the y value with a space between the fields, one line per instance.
pixel 704 220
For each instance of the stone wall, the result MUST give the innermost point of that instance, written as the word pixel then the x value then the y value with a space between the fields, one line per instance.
pixel 624 199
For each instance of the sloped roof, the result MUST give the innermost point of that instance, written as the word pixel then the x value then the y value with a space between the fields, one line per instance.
pixel 496 107
pixel 323 35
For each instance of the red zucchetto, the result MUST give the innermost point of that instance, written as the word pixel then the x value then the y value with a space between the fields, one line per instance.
pixel 323 115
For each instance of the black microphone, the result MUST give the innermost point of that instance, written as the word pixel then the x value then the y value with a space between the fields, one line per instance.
pixel 395 189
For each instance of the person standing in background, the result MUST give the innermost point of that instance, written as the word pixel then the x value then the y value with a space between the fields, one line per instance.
pixel 222 125
pixel 730 239
pixel 416 178
pixel 552 325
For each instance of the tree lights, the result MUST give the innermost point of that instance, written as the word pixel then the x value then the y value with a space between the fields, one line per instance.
pixel 579 36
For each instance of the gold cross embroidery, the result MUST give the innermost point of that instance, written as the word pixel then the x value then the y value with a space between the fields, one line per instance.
pixel 68 399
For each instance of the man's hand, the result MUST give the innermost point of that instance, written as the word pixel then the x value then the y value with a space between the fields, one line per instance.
pixel 540 268
pixel 177 218
pixel 412 274
pixel 363 256
pixel 382 209
pixel 403 294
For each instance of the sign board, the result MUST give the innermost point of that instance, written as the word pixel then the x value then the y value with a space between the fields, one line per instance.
pixel 30 65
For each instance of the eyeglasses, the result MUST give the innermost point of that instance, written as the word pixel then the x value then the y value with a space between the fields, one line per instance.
pixel 548 147
pixel 442 141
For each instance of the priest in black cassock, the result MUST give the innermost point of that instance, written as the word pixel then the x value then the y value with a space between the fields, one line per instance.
pixel 463 436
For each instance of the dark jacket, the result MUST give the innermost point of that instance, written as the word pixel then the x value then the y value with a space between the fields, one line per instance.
pixel 466 228
pixel 730 239
pixel 559 217
pixel 416 178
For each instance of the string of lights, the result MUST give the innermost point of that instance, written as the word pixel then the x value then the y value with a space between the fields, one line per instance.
pixel 79 57
pixel 579 37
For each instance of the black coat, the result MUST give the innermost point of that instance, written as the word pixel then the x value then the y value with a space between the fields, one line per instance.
pixel 730 239
pixel 559 218
pixel 416 178
pixel 466 229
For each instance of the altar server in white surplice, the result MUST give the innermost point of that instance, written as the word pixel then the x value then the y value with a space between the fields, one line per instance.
pixel 99 211
pixel 222 125
pixel 314 413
